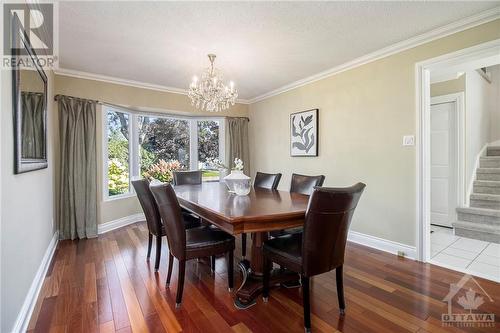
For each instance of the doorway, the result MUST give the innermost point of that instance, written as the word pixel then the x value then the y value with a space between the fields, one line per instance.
pixel 481 55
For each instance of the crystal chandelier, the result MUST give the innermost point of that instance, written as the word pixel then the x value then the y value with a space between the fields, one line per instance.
pixel 210 93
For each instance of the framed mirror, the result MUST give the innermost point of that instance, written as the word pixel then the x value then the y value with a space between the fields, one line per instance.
pixel 29 85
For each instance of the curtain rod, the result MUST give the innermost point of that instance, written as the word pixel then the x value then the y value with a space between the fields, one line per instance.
pixel 56 98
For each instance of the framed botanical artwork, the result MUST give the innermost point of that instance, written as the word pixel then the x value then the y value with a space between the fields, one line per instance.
pixel 304 133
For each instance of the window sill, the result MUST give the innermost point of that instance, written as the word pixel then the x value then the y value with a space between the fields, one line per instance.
pixel 119 197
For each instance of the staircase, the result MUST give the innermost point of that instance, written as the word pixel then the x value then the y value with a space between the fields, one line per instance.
pixel 482 219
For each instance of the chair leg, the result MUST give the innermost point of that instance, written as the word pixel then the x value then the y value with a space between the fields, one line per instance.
pixel 307 304
pixel 243 245
pixel 230 270
pixel 150 243
pixel 170 266
pixel 180 283
pixel 212 263
pixel 265 280
pixel 158 253
pixel 340 288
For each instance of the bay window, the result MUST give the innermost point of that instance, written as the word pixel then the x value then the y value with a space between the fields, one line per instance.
pixel 136 141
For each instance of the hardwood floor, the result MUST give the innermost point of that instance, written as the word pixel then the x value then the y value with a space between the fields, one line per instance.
pixel 106 285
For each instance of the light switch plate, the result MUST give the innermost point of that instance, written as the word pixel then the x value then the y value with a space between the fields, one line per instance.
pixel 408 140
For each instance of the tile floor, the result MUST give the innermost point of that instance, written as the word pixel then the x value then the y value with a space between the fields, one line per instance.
pixel 464 254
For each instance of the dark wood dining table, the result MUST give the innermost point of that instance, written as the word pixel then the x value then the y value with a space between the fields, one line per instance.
pixel 257 213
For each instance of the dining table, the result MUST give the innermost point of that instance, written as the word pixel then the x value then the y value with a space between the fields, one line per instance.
pixel 257 213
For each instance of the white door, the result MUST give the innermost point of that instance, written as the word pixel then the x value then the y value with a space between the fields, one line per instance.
pixel 444 168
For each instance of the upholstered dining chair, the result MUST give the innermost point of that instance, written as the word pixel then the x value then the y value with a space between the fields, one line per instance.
pixel 268 181
pixel 320 247
pixel 305 184
pixel 153 220
pixel 185 244
pixel 191 178
pixel 301 184
pixel 187 177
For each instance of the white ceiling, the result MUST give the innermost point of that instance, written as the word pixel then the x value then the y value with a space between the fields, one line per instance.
pixel 260 45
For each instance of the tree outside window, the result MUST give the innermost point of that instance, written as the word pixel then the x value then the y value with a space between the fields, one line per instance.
pixel 163 139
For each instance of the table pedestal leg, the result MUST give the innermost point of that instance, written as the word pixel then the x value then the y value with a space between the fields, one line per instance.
pixel 251 285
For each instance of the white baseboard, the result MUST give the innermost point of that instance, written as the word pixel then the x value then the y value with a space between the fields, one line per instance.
pixel 121 222
pixel 382 244
pixel 24 316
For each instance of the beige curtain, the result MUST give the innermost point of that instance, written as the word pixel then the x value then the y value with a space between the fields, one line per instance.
pixel 237 129
pixel 77 202
pixel 33 124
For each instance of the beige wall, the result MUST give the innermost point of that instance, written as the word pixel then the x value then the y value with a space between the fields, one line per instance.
pixel 30 81
pixel 26 211
pixel 364 113
pixel 448 87
pixel 132 97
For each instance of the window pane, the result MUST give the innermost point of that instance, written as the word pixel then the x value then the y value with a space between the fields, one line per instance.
pixel 118 153
pixel 208 147
pixel 163 139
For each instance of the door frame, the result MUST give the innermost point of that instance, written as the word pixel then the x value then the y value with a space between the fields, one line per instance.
pixel 459 100
pixel 423 105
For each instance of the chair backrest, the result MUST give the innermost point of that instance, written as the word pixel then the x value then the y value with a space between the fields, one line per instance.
pixel 148 205
pixel 171 214
pixel 267 180
pixel 328 217
pixel 305 184
pixel 187 177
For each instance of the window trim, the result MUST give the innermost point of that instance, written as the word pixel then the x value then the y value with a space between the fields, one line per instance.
pixel 134 148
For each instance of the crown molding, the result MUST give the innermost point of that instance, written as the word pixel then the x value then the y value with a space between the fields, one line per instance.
pixel 452 28
pixel 125 82
pixel 116 80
